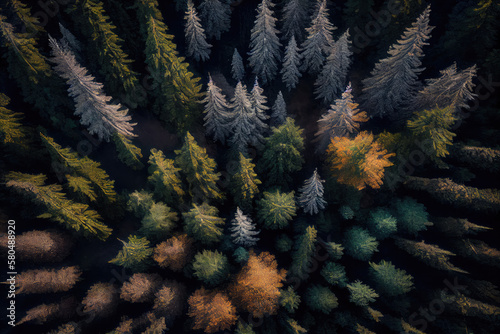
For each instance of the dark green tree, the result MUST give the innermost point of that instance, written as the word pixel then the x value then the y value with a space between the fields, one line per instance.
pixel 359 243
pixel 139 202
pixel 211 267
pixel 361 294
pixel 320 298
pixel 334 274
pixel 11 129
pixel 289 299
pixel 381 223
pixel 203 224
pixel 244 183
pixel 276 209
pixel 389 280
pixel 158 222
pixel 303 252
pixel 165 177
pixel 411 216
pixel 128 153
pixel 135 254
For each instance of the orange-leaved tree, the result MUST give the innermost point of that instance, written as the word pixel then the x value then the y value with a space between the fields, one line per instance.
pixel 358 162
pixel 256 286
pixel 212 311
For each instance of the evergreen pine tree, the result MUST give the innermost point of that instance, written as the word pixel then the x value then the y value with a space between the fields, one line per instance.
pixel 334 274
pixel 294 20
pixel 361 294
pixel 102 117
pixel 394 81
pixel 31 24
pixel 279 113
pixel 237 67
pixel 69 40
pixel 243 230
pixel 303 252
pixel 134 255
pixel 11 129
pixel 197 46
pixel 217 114
pixel 359 243
pixel 320 298
pixel 258 101
pixel 211 267
pixel 158 222
pixel 411 216
pixel 290 71
pixel 139 202
pixel 165 177
pixel 244 183
pixel 389 280
pixel 128 153
pixel 319 41
pixel 276 209
pixel 289 299
pixel 74 215
pixel 199 169
pixel 203 224
pixel 311 194
pixel 216 17
pixel 332 79
pixel 381 223
pixel 264 52
pixel 211 311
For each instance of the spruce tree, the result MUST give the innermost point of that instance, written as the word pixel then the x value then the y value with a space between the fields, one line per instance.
pixel 139 202
pixel 197 46
pixel 11 129
pixel 128 153
pixel 216 17
pixel 31 24
pixel 264 52
pixel 203 224
pixel 411 216
pixel 217 114
pixel 311 194
pixel 361 294
pixel 332 79
pixel 290 71
pixel 319 41
pixel 289 299
pixel 134 255
pixel 211 267
pixel 334 274
pixel 68 39
pixel 158 222
pixel 381 223
pixel 165 177
pixel 276 209
pixel 294 20
pixel 279 113
pixel 237 67
pixel 320 298
pixel 95 109
pixel 199 169
pixel 389 280
pixel 303 252
pixel 244 183
pixel 359 243
pixel 258 101
pixel 74 215
pixel 394 81
pixel 243 230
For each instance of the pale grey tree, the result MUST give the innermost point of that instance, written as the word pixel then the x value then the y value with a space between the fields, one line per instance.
pixel 243 230
pixel 197 46
pixel 290 71
pixel 311 194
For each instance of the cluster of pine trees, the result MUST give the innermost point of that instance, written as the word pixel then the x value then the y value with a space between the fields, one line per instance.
pixel 258 218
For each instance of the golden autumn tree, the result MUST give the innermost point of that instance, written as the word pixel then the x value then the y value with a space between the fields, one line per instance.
pixel 256 286
pixel 358 162
pixel 211 311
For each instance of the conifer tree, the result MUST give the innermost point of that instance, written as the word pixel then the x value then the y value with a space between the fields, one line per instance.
pixel 361 294
pixel 211 311
pixel 203 224
pixel 105 46
pixel 244 183
pixel 276 209
pixel 332 79
pixel 165 177
pixel 457 227
pixel 217 114
pixel 47 280
pixel 283 153
pixel 237 67
pixel 311 194
pixel 243 230
pixel 303 252
pixel 264 52
pixel 258 101
pixel 170 300
pixel 320 298
pixel 128 153
pixel 139 202
pixel 211 267
pixel 134 255
pixel 197 46
pixel 41 314
pixel 11 129
pixel 140 287
pixel 290 71
pixel 199 169
pixel 319 40
pixel 69 40
pixel 158 222
pixel 244 123
pixel 101 300
pixel 174 253
pixel 294 20
pixel 216 17
pixel 394 81
pixel 334 274
pixel 102 117
pixel 381 223
pixel 289 299
pixel 359 243
pixel 279 114
pixel 74 215
pixel 341 120
pixel 411 216
pixel 389 280
pixel 478 250
pixel 31 24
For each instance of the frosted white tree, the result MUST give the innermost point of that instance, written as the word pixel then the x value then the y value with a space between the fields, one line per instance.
pixel 217 116
pixel 243 230
pixel 294 20
pixel 237 67
pixel 341 120
pixel 69 40
pixel 264 54
pixel 290 71
pixel 258 102
pixel 243 123
pixel 216 17
pixel 279 113
pixel 394 81
pixel 332 78
pixel 197 45
pixel 101 117
pixel 452 88
pixel 311 194
pixel 319 40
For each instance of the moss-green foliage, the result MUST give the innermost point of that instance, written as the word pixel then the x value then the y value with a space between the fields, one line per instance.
pixel 81 188
pixel 411 216
pixel 158 222
pixel 202 223
pixel 164 177
pixel 389 280
pixel 244 328
pixel 359 243
pixel 23 13
pixel 276 209
pixel 335 251
pixel 346 212
pixel 240 255
pixel 361 294
pixel 139 202
pixel 291 326
pixel 320 298
pixel 74 215
pixel 303 252
pixel 282 153
pixel 283 243
pixel 199 169
pixel 11 129
pixel 211 267
pixel 244 183
pixel 381 223
pixel 289 299
pixel 334 274
pixel 128 153
pixel 135 254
